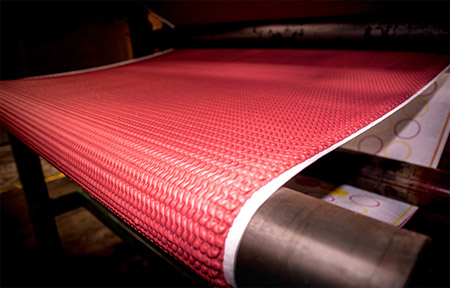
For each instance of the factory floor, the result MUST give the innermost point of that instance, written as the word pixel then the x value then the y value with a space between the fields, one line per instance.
pixel 93 255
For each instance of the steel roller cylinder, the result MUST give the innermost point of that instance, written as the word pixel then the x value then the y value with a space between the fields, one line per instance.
pixel 297 240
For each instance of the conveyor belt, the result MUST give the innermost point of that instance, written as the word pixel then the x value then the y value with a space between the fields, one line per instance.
pixel 186 146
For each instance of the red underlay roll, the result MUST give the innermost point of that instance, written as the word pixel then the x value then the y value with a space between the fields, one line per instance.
pixel 185 146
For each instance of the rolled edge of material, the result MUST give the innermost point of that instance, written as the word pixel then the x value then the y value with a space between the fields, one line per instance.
pixel 295 240
pixel 236 232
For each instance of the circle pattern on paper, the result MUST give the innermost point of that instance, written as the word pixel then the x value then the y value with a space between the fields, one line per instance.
pixel 407 129
pixel 352 206
pixel 398 146
pixel 364 200
pixel 370 144
pixel 383 127
pixel 417 108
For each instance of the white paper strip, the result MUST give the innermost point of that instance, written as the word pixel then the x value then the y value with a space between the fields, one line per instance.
pixel 415 134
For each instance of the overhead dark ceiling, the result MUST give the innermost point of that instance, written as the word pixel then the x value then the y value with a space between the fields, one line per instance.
pixel 190 12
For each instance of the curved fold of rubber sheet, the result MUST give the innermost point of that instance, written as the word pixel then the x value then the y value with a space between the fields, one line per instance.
pixel 186 146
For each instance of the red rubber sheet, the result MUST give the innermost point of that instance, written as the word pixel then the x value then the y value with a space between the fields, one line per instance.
pixel 180 144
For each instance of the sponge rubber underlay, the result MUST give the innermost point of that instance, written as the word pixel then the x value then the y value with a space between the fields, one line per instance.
pixel 187 145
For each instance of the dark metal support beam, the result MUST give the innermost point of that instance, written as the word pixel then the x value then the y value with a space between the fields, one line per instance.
pixel 135 239
pixel 38 201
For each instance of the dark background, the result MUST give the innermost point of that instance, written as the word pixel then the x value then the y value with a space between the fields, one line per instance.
pixel 42 37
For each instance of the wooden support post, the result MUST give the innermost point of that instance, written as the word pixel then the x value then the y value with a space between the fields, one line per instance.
pixel 38 201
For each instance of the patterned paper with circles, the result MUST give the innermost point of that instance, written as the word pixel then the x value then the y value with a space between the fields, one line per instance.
pixel 415 134
pixel 355 199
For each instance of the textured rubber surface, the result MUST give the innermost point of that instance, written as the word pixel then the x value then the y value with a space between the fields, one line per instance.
pixel 175 145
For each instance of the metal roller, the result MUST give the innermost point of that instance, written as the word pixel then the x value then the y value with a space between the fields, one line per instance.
pixel 297 240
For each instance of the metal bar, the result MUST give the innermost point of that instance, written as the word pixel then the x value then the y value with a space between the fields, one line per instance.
pixel 418 185
pixel 36 194
pixel 66 203
pixel 295 240
pixel 334 33
pixel 135 239
pixel 425 187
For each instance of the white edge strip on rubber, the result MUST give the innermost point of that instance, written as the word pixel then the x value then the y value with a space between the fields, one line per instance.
pixel 250 207
pixel 97 68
